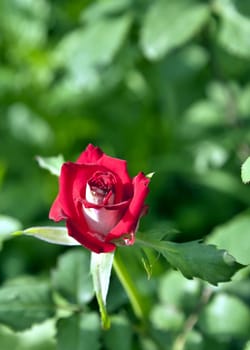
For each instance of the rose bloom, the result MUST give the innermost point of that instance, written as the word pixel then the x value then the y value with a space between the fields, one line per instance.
pixel 101 204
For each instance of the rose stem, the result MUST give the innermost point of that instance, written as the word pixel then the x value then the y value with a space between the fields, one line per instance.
pixel 135 298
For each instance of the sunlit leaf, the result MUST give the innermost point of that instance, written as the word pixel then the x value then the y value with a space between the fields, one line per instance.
pixel 38 337
pixel 169 24
pixel 175 290
pixel 7 226
pixel 234 236
pixel 25 25
pixel 167 318
pixel 245 171
pixel 53 164
pixel 50 234
pixel 85 47
pixel 97 9
pixel 225 316
pixel 235 29
pixel 86 51
pixel 27 126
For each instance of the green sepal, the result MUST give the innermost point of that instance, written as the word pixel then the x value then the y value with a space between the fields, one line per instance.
pixel 50 234
pixel 100 267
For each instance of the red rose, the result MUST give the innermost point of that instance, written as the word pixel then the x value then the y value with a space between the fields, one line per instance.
pixel 101 204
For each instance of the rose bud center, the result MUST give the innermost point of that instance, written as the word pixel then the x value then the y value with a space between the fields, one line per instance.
pixel 100 190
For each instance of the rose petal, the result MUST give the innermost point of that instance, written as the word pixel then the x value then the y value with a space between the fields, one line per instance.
pixel 124 189
pixel 90 155
pixel 101 220
pixel 56 213
pixel 128 223
pixel 97 199
pixel 88 240
pixel 118 166
pixel 72 185
pixel 118 206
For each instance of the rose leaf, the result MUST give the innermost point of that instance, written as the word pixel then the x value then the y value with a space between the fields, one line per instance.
pixel 196 259
pixel 53 164
pixel 100 267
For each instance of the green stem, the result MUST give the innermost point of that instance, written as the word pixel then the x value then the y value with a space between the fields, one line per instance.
pixel 103 312
pixel 126 280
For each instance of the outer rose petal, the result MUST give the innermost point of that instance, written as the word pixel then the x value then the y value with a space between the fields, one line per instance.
pixel 72 183
pixel 128 223
pixel 88 239
pixel 94 155
pixel 90 155
pixel 119 167
pixel 56 213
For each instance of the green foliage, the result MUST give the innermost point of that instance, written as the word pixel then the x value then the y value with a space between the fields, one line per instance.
pixel 39 337
pixel 167 318
pixel 120 329
pixel 201 315
pixel 226 316
pixel 234 236
pixel 79 331
pixel 7 226
pixel 22 305
pixel 71 278
pixel 165 85
pixel 182 293
pixel 53 164
pixel 245 171
pixel 235 29
pixel 164 29
pixel 84 53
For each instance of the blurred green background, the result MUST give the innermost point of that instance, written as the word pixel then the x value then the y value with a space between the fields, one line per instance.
pixel 162 84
